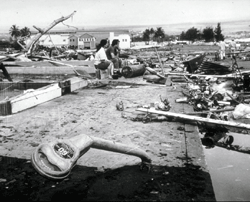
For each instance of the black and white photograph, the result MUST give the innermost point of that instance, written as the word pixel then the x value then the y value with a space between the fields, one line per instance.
pixel 114 100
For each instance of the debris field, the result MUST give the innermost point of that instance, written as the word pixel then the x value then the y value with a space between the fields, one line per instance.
pixel 165 106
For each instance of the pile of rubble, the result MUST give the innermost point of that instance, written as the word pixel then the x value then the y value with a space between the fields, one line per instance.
pixel 219 93
pixel 216 90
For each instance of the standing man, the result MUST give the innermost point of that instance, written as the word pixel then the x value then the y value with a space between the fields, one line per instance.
pixel 222 49
pixel 232 47
pixel 113 54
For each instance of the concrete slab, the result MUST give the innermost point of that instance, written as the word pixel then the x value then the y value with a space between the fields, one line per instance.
pixel 32 97
pixel 171 144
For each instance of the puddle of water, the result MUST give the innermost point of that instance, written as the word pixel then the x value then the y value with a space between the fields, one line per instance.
pixel 230 170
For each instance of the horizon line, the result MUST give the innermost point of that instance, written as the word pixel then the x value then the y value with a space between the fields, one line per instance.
pixel 4 30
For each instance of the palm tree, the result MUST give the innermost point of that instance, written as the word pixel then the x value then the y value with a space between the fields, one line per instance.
pixel 14 31
pixel 25 31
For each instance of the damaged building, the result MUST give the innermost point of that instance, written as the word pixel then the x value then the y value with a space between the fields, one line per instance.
pixel 84 39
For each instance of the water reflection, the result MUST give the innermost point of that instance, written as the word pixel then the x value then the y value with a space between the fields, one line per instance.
pixel 229 170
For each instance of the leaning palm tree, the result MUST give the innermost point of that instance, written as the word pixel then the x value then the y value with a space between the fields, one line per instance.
pixel 14 31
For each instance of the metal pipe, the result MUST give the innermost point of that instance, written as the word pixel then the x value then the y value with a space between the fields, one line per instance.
pixel 56 159
pixel 107 145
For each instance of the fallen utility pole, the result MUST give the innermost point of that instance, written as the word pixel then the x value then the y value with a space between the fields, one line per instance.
pixel 195 118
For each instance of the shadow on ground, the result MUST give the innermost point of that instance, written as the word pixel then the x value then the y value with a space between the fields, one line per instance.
pixel 20 181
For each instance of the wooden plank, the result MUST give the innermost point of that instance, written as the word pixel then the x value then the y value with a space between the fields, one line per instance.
pixel 195 118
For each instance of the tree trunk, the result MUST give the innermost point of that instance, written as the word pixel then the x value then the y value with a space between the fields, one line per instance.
pixel 29 47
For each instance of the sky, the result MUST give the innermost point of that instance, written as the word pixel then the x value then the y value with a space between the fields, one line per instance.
pixel 119 12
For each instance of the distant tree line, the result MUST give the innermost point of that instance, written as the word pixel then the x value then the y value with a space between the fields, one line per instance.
pixel 208 34
pixel 193 34
pixel 152 34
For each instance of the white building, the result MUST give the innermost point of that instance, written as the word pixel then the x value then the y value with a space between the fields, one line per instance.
pixel 84 39
pixel 124 39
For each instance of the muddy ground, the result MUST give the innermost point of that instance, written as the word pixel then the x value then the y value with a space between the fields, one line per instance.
pixel 177 173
